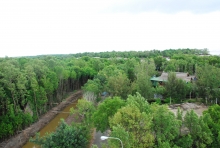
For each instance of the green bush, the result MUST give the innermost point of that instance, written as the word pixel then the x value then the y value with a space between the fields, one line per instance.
pixel 167 100
pixel 65 136
pixel 173 101
pixel 158 101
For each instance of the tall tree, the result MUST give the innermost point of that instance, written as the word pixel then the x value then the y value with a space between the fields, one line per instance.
pixel 142 84
pixel 212 118
pixel 137 124
pixel 208 81
pixel 140 102
pixel 84 110
pixel 171 86
pixel 176 88
pixel 119 85
pixel 165 125
pixel 159 60
pixel 198 129
pixel 105 110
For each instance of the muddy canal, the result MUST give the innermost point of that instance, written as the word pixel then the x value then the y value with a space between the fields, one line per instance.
pixel 46 124
pixel 51 126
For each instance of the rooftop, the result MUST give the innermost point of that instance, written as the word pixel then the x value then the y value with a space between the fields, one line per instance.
pixel 180 75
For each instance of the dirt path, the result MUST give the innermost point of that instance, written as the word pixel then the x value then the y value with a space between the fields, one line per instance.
pixel 198 109
pixel 19 140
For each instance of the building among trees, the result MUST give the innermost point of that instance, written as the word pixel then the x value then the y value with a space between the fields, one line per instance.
pixel 164 77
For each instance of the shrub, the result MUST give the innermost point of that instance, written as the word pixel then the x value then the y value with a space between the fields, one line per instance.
pixel 65 136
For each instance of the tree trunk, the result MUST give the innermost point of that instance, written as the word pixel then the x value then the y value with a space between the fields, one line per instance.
pixel 36 105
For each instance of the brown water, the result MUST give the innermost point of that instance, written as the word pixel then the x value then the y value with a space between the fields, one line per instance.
pixel 51 126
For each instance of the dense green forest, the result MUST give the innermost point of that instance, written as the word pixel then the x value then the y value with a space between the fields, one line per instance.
pixel 40 82
pixel 144 54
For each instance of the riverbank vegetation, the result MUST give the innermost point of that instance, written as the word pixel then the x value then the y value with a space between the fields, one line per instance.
pixel 65 136
pixel 29 87
pixel 40 82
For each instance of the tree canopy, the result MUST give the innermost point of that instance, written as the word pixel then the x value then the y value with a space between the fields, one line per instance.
pixel 41 82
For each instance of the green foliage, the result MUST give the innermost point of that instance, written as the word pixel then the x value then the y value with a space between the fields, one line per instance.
pixel 94 146
pixel 84 110
pixel 119 132
pixel 170 66
pixel 93 86
pixel 179 117
pixel 106 110
pixel 212 119
pixel 88 71
pixel 167 101
pixel 137 124
pixel 65 136
pixel 119 85
pixel 198 129
pixel 144 54
pixel 98 99
pixel 175 88
pixel 205 137
pixel 171 85
pixel 214 111
pixel 158 101
pixel 159 62
pixel 191 100
pixel 138 101
pixel 185 141
pixel 191 121
pixel 13 121
pixel 164 144
pixel 208 81
pixel 160 90
pixel 142 84
pixel 39 82
pixel 43 81
pixel 165 125
pixel 129 68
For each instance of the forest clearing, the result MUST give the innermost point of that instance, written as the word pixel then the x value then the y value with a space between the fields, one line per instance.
pixel 198 109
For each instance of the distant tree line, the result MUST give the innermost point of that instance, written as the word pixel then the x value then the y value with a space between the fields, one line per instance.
pixel 144 54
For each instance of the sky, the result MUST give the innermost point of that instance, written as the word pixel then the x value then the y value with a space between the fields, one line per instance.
pixel 36 27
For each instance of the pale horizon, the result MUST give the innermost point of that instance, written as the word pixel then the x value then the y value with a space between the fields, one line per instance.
pixel 29 27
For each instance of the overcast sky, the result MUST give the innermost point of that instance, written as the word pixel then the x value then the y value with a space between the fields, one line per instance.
pixel 35 27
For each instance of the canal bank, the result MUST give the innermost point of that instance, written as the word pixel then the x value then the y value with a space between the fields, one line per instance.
pixel 46 123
